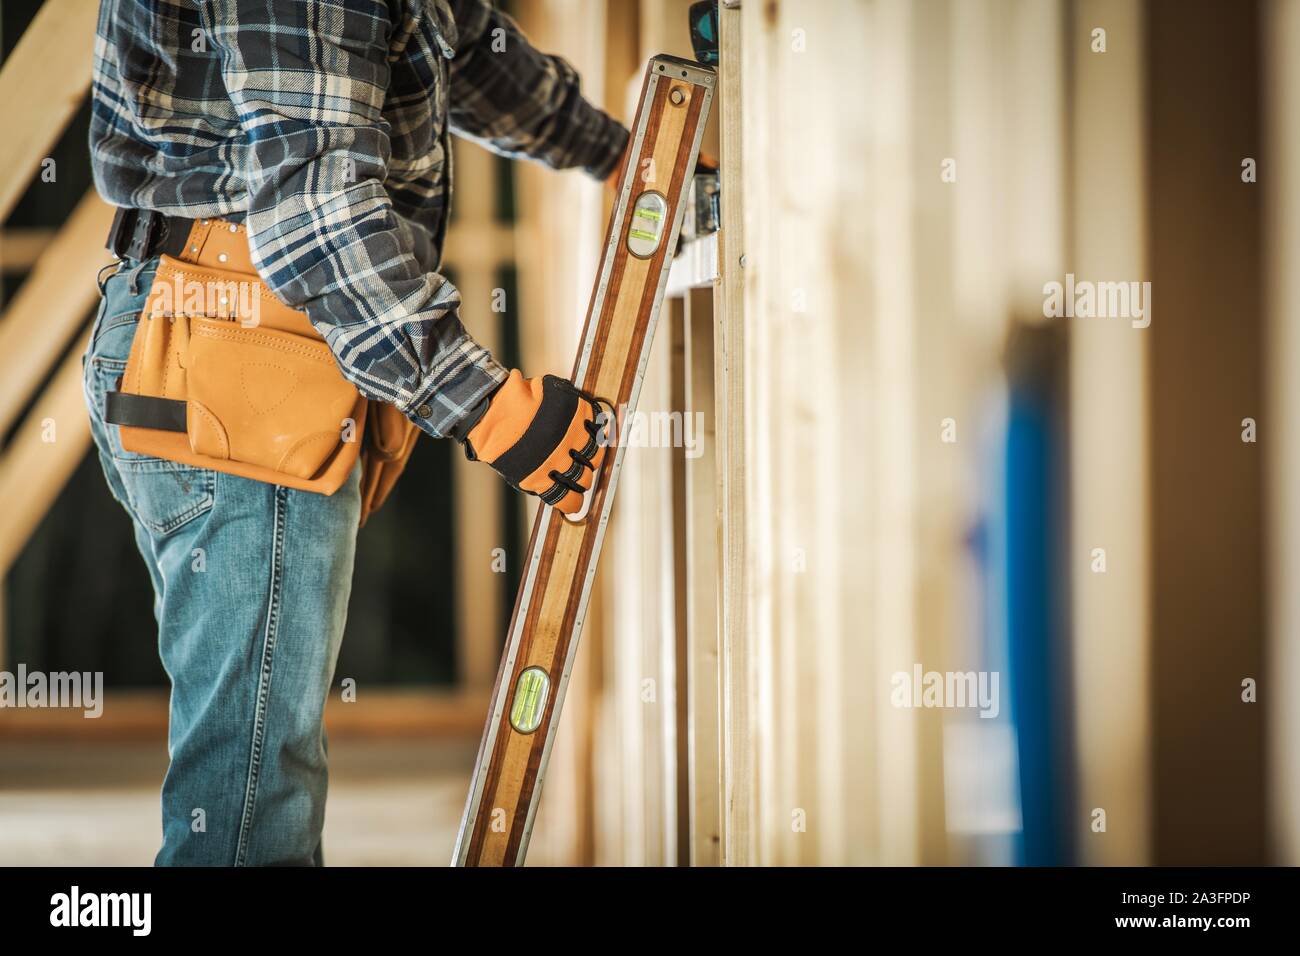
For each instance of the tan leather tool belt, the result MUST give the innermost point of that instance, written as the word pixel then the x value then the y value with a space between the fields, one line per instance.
pixel 223 375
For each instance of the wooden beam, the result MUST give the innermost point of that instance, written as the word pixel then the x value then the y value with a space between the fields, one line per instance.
pixel 663 28
pixel 42 456
pixel 559 233
pixel 677 549
pixel 21 248
pixel 475 238
pixel 1282 238
pixel 41 86
pixel 645 635
pixel 476 247
pixel 418 713
pixel 51 304
pixel 703 728
pixel 1204 484
pixel 1109 445
pixel 738 738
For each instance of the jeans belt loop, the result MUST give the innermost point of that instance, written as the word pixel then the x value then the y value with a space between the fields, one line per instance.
pixel 135 275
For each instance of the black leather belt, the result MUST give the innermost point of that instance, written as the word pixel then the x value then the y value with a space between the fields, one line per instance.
pixel 142 234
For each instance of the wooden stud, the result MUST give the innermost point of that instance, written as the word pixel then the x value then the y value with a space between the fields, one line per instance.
pixel 49 306
pixel 1109 444
pixel 42 84
pixel 476 248
pixel 558 240
pixel 43 455
pixel 738 739
pixel 703 729
pixel 1282 236
pixel 20 248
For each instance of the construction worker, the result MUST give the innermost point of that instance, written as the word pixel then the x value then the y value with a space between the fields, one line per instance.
pixel 318 129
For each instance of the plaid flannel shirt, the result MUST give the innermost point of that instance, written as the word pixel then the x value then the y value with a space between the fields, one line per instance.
pixel 323 124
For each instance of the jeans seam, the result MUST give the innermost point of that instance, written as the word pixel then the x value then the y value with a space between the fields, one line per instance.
pixel 109 323
pixel 264 677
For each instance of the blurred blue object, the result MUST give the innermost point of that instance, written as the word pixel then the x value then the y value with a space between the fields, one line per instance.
pixel 1037 581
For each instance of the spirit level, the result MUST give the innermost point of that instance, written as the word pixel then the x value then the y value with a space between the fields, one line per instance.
pixel 552 600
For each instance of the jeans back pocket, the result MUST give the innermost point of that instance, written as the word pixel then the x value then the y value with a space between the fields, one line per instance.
pixel 161 495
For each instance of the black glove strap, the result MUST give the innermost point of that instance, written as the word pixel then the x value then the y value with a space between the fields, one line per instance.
pixel 545 432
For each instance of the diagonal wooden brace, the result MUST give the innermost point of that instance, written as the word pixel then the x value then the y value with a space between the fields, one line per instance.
pixel 552 600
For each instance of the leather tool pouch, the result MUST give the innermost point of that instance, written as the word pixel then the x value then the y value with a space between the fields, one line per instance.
pixel 390 439
pixel 222 375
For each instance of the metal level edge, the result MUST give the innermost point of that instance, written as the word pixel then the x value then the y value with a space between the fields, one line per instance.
pixel 680 68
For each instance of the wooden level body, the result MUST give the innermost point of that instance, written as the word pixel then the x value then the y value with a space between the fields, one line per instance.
pixel 552 600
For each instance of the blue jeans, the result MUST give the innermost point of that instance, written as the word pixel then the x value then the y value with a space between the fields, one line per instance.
pixel 251 585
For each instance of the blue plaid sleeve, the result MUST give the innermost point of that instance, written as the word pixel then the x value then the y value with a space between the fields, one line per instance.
pixel 522 103
pixel 308 80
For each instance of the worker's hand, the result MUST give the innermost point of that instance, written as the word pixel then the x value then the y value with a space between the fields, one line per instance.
pixel 542 436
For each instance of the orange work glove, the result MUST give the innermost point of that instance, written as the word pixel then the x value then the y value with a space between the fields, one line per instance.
pixel 542 436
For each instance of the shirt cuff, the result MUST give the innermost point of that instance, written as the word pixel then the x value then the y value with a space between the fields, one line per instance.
pixel 443 406
pixel 607 142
